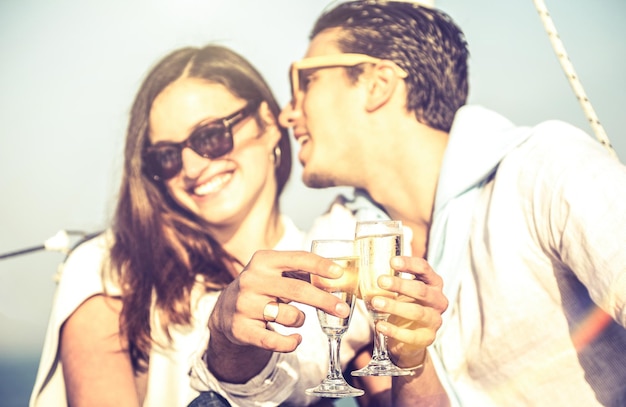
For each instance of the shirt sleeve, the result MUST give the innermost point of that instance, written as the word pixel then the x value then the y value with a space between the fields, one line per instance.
pixel 271 386
pixel 285 377
pixel 581 200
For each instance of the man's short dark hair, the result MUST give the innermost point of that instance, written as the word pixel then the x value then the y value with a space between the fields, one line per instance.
pixel 423 41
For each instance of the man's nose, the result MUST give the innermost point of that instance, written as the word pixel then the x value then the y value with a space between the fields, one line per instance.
pixel 288 116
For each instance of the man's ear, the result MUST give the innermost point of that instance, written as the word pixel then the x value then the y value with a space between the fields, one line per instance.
pixel 382 83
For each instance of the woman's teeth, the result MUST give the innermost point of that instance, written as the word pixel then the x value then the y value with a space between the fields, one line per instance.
pixel 213 185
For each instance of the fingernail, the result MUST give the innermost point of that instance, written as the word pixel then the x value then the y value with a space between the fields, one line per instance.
pixel 378 302
pixel 342 309
pixel 336 270
pixel 385 282
pixel 397 262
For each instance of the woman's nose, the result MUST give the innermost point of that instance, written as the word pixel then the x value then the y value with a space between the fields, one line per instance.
pixel 193 163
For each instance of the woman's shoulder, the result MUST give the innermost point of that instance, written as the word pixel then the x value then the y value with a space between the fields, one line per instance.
pixel 84 265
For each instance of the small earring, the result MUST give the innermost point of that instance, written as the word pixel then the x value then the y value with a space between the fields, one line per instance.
pixel 275 157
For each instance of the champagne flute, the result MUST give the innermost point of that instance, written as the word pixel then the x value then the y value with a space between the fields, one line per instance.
pixel 378 241
pixel 342 252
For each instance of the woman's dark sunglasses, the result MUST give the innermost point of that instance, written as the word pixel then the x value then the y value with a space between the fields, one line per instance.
pixel 163 161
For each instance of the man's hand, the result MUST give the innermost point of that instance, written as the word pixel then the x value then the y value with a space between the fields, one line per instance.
pixel 415 315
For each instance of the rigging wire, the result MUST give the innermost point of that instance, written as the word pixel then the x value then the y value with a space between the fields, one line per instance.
pixel 60 242
pixel 568 68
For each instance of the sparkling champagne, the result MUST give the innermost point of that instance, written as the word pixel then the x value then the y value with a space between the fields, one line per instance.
pixel 343 288
pixel 376 251
pixel 377 242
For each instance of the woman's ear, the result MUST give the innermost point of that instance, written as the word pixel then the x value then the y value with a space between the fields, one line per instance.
pixel 269 122
pixel 382 83
pixel 266 114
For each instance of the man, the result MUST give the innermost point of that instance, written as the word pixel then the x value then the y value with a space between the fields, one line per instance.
pixel 525 225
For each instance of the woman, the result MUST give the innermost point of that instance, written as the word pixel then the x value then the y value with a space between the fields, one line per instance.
pixel 205 163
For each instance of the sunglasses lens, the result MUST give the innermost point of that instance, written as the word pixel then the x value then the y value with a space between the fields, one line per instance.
pixel 211 141
pixel 164 161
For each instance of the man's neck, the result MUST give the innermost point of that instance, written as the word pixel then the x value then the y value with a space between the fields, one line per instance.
pixel 407 190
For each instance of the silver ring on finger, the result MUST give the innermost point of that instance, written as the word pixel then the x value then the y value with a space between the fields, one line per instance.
pixel 270 311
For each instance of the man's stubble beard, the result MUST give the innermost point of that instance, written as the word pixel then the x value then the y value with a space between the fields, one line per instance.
pixel 318 181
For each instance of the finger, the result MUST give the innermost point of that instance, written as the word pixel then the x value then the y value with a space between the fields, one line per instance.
pixel 289 290
pixel 264 277
pixel 415 291
pixel 408 339
pixel 409 314
pixel 409 322
pixel 286 314
pixel 270 340
pixel 241 328
pixel 280 343
pixel 419 268
pixel 416 335
pixel 296 261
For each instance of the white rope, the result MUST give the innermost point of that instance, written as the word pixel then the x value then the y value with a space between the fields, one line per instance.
pixel 568 68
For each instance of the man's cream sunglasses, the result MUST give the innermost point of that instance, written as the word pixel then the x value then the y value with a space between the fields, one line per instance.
pixel 329 61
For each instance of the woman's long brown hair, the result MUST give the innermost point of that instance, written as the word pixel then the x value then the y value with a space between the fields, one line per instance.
pixel 160 247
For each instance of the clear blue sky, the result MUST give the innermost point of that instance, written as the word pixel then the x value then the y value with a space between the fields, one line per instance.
pixel 70 69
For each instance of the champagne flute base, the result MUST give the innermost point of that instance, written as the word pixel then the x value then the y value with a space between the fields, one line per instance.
pixel 334 389
pixel 381 368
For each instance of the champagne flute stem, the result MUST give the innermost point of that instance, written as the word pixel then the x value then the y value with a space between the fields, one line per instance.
pixel 380 347
pixel 379 353
pixel 334 367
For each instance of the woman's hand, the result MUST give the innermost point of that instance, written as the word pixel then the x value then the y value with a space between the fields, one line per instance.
pixel 242 339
